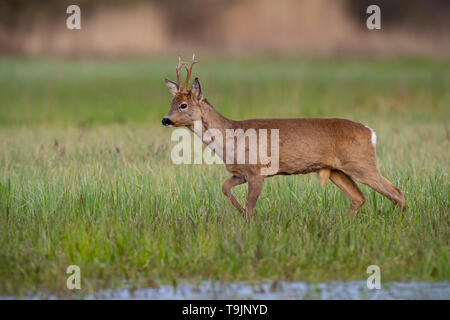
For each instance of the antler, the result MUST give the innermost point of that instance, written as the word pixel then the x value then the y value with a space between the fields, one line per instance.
pixel 189 70
pixel 178 69
pixel 181 87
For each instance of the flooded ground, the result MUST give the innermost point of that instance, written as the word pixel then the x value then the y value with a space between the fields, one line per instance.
pixel 276 290
pixel 286 290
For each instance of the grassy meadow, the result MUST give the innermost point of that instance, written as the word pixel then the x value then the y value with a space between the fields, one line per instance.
pixel 86 176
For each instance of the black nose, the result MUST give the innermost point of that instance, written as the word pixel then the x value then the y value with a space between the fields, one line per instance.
pixel 166 122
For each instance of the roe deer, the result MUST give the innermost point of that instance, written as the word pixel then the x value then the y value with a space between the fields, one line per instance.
pixel 337 149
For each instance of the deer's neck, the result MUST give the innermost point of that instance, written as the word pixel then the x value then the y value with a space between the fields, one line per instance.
pixel 211 119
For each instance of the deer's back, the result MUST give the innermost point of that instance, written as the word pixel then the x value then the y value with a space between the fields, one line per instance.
pixel 307 145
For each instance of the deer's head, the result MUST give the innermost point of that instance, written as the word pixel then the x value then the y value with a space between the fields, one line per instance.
pixel 185 107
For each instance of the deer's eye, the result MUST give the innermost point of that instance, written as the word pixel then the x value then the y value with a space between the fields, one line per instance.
pixel 183 106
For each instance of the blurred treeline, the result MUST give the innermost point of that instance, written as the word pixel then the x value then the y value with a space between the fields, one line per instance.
pixel 142 27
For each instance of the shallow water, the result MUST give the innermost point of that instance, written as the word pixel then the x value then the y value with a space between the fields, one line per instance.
pixel 346 290
pixel 285 290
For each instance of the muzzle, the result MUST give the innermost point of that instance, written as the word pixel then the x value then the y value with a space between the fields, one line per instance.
pixel 167 122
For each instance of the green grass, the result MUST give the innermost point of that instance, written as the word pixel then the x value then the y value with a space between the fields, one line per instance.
pixel 86 176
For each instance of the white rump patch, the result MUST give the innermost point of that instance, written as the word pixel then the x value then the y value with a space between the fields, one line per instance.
pixel 374 136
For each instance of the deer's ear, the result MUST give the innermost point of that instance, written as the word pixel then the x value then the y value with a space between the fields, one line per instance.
pixel 196 89
pixel 173 87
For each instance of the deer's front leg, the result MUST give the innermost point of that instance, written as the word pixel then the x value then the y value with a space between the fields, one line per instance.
pixel 226 189
pixel 255 185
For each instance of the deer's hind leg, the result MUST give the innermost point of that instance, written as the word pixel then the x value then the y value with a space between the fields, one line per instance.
pixel 351 190
pixel 323 175
pixel 373 178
